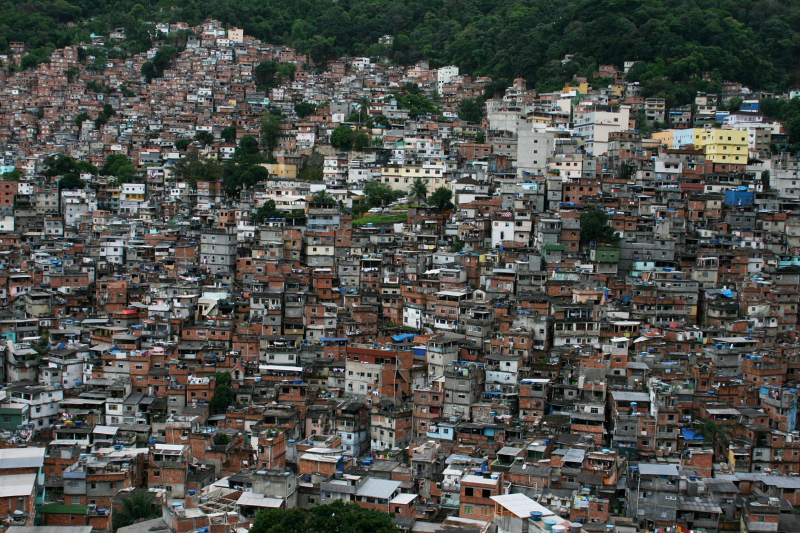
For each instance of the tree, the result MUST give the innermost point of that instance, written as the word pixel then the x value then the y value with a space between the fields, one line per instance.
pixel 71 181
pixel 14 175
pixel 304 109
pixel 204 137
pixel 765 180
pixel 323 197
pixel 471 110
pixel 735 104
pixel 247 151
pixel 267 210
pixel 594 227
pixel 222 439
pixel 342 137
pixel 71 73
pixel 379 194
pixel 223 395
pixel 339 517
pixel 361 141
pixel 270 130
pixel 286 71
pixel 137 505
pixel 182 144
pixel 713 432
pixel 311 172
pixel 637 72
pixel 480 137
pixel 80 119
pixel 114 162
pixel 641 123
pixel 265 74
pixel 229 134
pixel 419 190
pixel 104 115
pixel 442 199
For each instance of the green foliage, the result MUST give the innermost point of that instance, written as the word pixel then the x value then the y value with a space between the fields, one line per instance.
pixel 222 439
pixel 270 130
pixel 735 104
pixel 247 151
pixel 104 115
pixel 410 97
pixel 243 173
pixel 641 123
pixel 223 394
pixel 342 137
pixel 383 121
pixel 137 505
pixel 98 87
pixel 126 92
pixel 359 209
pixel 419 190
pixel 471 110
pixel 182 144
pixel 480 137
pixel 155 68
pixel 442 199
pixel 193 169
pixel 595 228
pixel 311 172
pixel 381 219
pixel 204 137
pixel 323 197
pixel 269 74
pixel 81 118
pixel 229 134
pixel 71 181
pixel 120 166
pixel 361 140
pixel 64 164
pixel 378 194
pixel 267 210
pixel 14 175
pixel 337 517
pixel 752 42
pixel 715 433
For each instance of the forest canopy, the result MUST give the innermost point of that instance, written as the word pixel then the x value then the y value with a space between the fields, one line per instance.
pixel 752 42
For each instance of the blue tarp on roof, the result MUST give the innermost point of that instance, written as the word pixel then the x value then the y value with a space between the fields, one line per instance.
pixel 727 293
pixel 332 339
pixel 403 337
pixel 688 434
pixel 626 298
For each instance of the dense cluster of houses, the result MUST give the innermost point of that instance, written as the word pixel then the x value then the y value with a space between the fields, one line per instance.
pixel 485 367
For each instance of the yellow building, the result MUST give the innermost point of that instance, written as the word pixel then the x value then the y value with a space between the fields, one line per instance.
pixel 282 170
pixel 720 146
pixel 402 176
pixel 726 146
pixel 666 137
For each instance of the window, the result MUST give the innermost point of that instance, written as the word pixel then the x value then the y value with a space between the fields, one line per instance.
pixel 468 491
pixel 156 473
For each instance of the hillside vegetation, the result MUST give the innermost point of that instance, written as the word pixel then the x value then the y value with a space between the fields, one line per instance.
pixel 753 42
